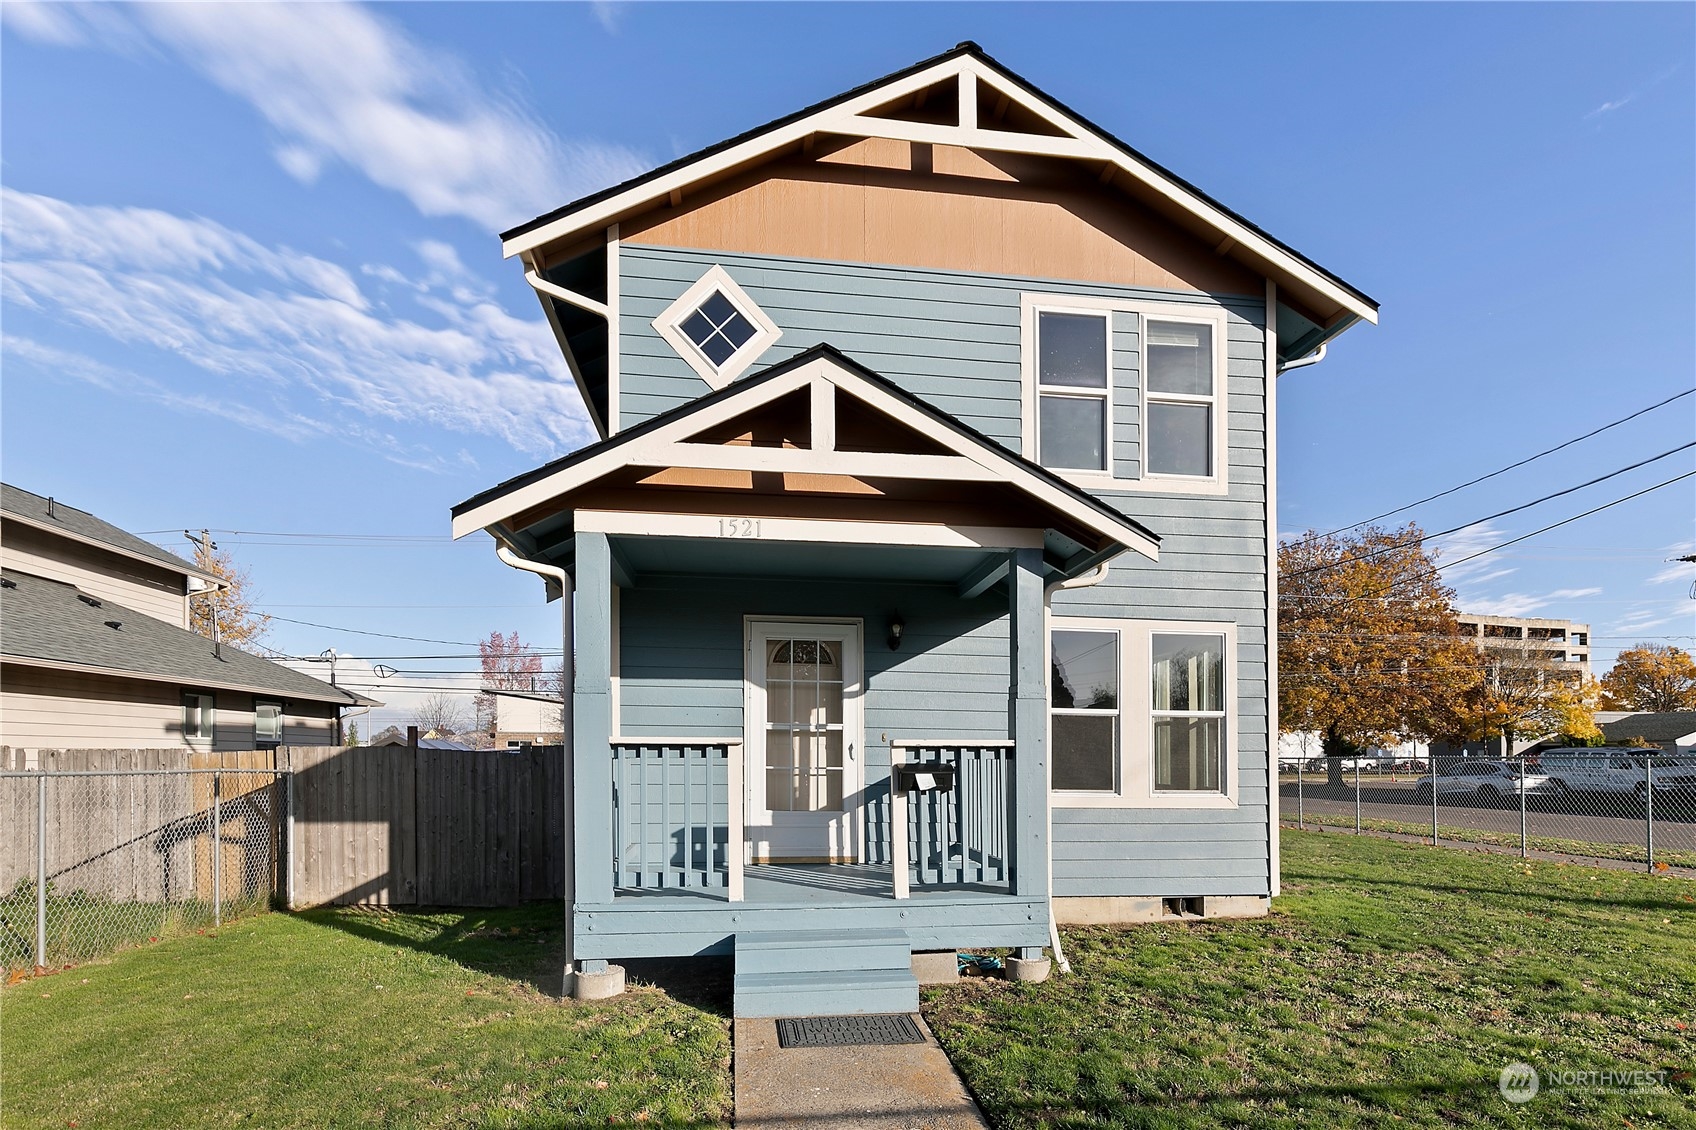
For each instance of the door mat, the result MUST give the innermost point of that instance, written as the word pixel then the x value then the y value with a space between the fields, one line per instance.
pixel 845 1031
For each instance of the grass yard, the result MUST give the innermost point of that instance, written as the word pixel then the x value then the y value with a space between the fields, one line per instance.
pixel 1389 988
pixel 353 1018
pixel 1595 849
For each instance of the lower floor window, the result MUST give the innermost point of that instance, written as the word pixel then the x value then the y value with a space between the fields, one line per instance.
pixel 1139 711
pixel 199 716
pixel 267 722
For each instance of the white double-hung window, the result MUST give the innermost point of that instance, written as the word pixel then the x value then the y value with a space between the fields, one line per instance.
pixel 1179 379
pixel 1122 394
pixel 1142 713
pixel 1074 390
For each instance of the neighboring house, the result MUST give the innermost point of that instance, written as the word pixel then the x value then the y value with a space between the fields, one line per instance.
pixel 522 718
pixel 393 737
pixel 1563 644
pixel 1673 730
pixel 95 650
pixel 937 431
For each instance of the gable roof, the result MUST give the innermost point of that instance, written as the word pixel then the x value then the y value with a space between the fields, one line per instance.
pixel 50 514
pixel 54 625
pixel 1664 726
pixel 1080 138
pixel 975 456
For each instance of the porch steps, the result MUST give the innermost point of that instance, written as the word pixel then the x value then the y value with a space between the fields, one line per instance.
pixel 824 973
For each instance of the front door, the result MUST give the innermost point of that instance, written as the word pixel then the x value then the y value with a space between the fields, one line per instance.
pixel 803 742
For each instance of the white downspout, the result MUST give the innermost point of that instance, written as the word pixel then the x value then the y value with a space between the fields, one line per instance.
pixel 568 678
pixel 1088 580
pixel 1304 362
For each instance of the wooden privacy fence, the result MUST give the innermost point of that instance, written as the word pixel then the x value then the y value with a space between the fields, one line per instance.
pixel 397 826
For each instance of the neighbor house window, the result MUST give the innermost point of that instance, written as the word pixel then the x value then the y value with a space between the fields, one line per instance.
pixel 1188 709
pixel 1073 390
pixel 199 717
pixel 716 328
pixel 1084 710
pixel 1178 366
pixel 267 722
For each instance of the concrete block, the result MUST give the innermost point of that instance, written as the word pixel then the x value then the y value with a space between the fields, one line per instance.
pixel 1238 906
pixel 1028 968
pixel 609 982
pixel 937 967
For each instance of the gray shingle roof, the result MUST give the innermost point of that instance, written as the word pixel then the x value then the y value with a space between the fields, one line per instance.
pixel 54 623
pixel 1662 727
pixel 81 524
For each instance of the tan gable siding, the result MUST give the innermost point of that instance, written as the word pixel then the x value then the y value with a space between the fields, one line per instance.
pixel 152 592
pixel 880 201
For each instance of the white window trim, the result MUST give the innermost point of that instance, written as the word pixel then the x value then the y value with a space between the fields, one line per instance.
pixel 1030 304
pixel 282 720
pixel 669 324
pixel 1079 392
pixel 206 713
pixel 1117 713
pixel 1135 771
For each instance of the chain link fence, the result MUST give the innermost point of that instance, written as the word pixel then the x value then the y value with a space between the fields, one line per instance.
pixel 93 861
pixel 1636 805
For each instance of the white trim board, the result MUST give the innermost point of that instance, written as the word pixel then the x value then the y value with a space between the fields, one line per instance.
pixel 849 118
pixel 669 445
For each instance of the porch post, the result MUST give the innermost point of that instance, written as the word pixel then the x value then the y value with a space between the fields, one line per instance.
pixel 591 721
pixel 1028 721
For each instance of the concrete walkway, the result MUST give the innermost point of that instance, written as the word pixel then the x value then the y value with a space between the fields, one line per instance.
pixel 899 1087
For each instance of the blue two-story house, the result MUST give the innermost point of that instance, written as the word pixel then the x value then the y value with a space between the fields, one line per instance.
pixel 920 588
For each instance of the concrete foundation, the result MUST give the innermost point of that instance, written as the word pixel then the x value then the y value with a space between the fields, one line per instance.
pixel 937 967
pixel 1116 910
pixel 609 982
pixel 1028 968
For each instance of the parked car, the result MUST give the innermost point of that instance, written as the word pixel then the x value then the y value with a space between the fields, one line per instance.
pixel 1485 781
pixel 1584 770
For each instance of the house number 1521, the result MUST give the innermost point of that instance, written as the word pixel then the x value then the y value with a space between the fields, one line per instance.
pixel 738 527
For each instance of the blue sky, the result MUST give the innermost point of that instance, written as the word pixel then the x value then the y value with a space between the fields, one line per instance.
pixel 251 280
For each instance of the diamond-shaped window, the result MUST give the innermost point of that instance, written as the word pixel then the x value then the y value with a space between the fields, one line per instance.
pixel 716 328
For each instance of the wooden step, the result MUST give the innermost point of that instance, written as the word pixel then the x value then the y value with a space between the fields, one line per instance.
pixel 824 973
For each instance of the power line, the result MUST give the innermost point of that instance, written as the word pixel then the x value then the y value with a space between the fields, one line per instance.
pixel 362 632
pixel 1512 466
pixel 1492 517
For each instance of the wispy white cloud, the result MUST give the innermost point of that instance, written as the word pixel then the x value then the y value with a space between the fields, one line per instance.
pixel 1525 604
pixel 607 14
pixel 1613 104
pixel 240 311
pixel 339 83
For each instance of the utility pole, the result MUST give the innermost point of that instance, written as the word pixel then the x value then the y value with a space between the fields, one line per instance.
pixel 205 544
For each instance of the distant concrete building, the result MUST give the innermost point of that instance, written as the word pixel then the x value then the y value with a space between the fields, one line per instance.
pixel 1561 642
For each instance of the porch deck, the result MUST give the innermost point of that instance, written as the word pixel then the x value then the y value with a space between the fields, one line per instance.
pixel 821 884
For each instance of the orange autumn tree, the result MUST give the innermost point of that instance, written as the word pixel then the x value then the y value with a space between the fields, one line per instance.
pixel 1369 652
pixel 240 623
pixel 1655 677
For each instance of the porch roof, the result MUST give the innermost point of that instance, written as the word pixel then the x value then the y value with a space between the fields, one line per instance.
pixel 816 449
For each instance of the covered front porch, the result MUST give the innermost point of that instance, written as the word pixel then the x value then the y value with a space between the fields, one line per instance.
pixel 807 617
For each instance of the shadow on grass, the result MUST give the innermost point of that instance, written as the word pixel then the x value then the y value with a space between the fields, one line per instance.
pixel 525 943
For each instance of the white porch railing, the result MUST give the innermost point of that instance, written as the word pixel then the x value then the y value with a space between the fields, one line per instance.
pixel 957 837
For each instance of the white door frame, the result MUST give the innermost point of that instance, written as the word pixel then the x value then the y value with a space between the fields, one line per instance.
pixel 757 819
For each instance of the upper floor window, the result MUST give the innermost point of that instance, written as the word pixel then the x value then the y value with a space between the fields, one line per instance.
pixel 716 328
pixel 1074 390
pixel 1178 359
pixel 1124 394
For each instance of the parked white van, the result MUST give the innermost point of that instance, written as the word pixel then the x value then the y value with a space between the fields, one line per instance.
pixel 1585 770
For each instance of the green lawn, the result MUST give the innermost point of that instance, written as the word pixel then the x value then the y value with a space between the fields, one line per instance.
pixel 1389 988
pixel 353 1018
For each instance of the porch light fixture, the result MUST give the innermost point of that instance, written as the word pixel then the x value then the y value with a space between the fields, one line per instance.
pixel 896 627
